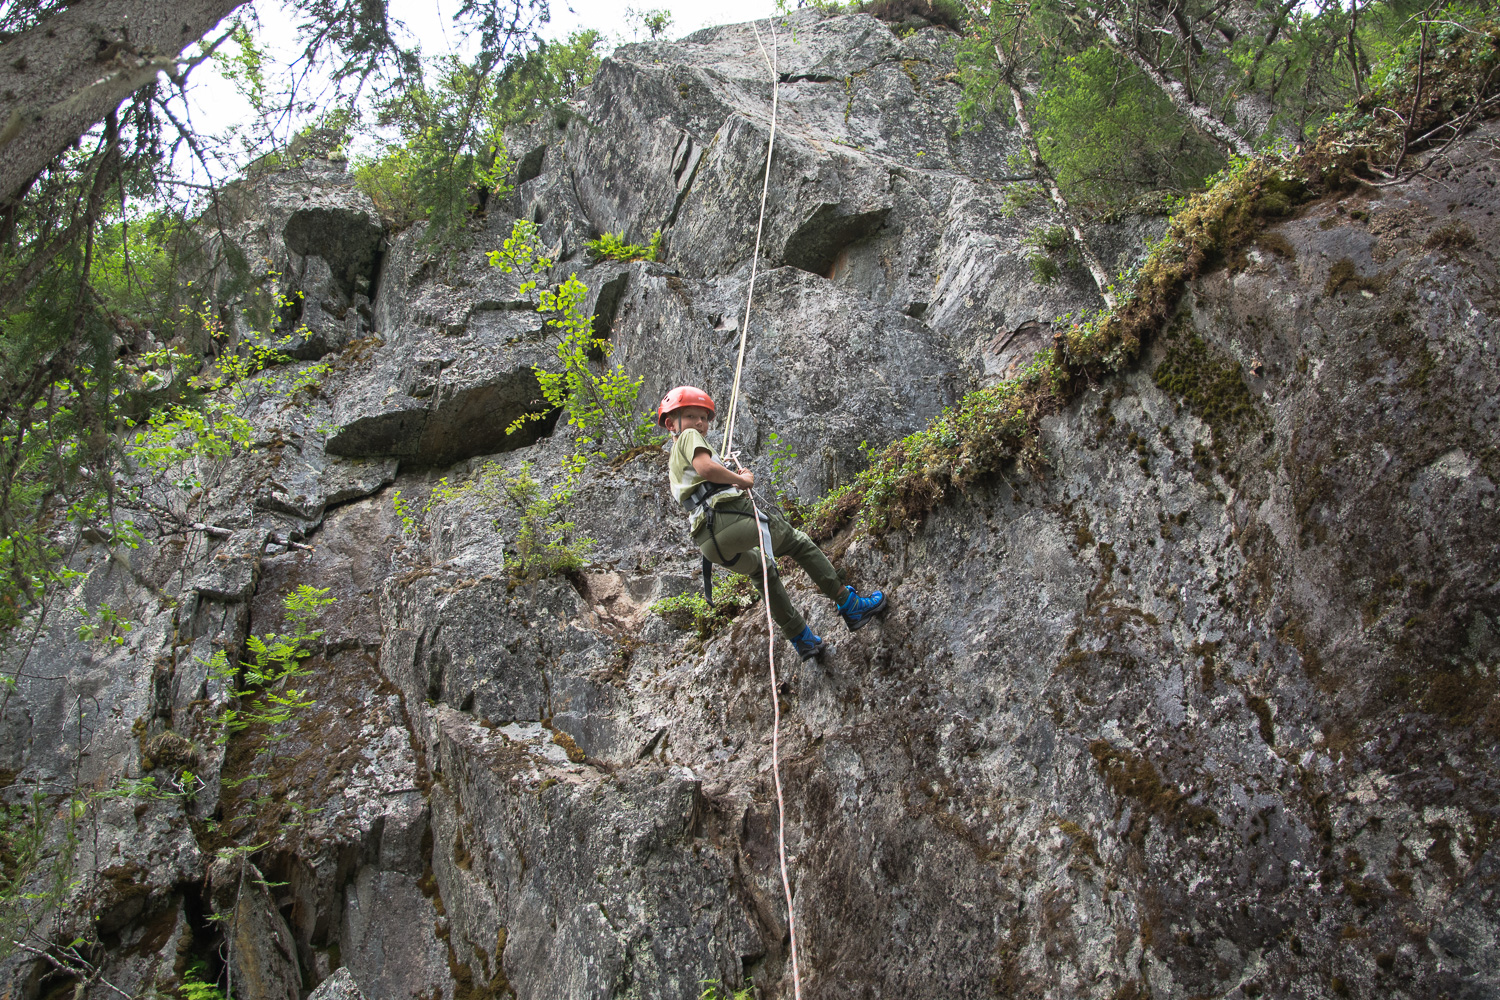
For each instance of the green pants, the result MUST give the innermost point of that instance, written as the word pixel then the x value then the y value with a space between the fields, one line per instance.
pixel 736 534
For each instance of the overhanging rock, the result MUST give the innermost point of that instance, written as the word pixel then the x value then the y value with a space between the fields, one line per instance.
pixel 347 238
pixel 457 366
pixel 827 233
pixel 466 417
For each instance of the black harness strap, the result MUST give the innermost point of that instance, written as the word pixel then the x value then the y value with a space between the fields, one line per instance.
pixel 699 498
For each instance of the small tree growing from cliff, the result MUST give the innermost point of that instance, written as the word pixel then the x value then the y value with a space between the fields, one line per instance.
pixel 451 159
pixel 545 544
pixel 263 693
pixel 601 405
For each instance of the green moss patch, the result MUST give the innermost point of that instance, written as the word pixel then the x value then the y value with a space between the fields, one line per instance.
pixel 1133 777
pixel 1460 698
pixel 1211 387
pixel 1345 277
pixel 1277 244
pixel 691 613
pixel 1209 231
pixel 168 750
pixel 1451 237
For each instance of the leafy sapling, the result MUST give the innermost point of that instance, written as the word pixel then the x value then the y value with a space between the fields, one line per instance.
pixel 600 405
pixel 262 687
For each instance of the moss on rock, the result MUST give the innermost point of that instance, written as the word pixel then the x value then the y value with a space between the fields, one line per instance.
pixel 1211 387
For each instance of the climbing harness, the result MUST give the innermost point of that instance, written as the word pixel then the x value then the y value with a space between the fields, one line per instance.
pixel 692 503
pixel 698 499
pixel 772 59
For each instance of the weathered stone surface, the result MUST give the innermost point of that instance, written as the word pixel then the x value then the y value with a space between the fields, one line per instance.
pixel 261 958
pixel 619 900
pixel 389 931
pixel 232 567
pixel 299 249
pixel 1205 706
pixel 456 366
pixel 345 239
pixel 826 369
pixel 339 986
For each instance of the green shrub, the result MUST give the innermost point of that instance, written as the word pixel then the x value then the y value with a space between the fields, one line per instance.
pixel 613 247
pixel 1049 249
pixel 1109 134
pixel 545 545
pixel 451 158
pixel 195 984
pixel 1043 268
pixel 24 857
pixel 691 613
pixel 684 611
pixel 654 21
pixel 713 989
pixel 392 180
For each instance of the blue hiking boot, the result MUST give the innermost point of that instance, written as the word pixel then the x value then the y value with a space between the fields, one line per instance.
pixel 858 611
pixel 808 645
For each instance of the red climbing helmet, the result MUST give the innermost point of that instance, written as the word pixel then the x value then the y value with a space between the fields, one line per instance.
pixel 683 395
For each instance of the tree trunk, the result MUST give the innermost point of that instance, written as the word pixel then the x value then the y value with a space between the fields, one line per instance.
pixel 1059 202
pixel 62 77
pixel 1199 115
pixel 1359 87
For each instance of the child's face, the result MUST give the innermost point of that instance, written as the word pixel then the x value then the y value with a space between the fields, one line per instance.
pixel 695 417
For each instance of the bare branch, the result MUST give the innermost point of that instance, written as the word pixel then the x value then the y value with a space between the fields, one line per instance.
pixel 79 65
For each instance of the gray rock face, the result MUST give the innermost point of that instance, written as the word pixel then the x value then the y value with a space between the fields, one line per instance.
pixel 455 368
pixel 339 986
pixel 260 956
pixel 294 253
pixel 1206 706
pixel 829 369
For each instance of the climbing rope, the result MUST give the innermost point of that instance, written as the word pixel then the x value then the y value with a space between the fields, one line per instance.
pixel 772 59
pixel 765 187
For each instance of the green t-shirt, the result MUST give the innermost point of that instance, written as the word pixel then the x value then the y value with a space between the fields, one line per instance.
pixel 685 478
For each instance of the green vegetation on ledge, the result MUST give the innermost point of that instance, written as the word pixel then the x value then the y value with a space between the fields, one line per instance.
pixel 966 443
pixel 1445 81
pixel 614 247
pixel 691 612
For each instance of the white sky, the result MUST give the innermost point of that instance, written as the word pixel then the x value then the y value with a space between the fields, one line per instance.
pixel 218 107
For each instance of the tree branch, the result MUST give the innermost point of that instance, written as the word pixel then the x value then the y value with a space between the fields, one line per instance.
pixel 73 68
pixel 1202 117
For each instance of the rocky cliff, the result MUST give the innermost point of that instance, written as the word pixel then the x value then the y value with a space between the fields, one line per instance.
pixel 1204 705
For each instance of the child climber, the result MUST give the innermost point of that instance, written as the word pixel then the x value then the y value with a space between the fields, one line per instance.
pixel 723 526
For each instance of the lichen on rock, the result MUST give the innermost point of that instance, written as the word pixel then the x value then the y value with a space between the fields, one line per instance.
pixel 1189 682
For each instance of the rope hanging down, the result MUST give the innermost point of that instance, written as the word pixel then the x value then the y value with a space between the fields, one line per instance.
pixel 765 187
pixel 773 64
